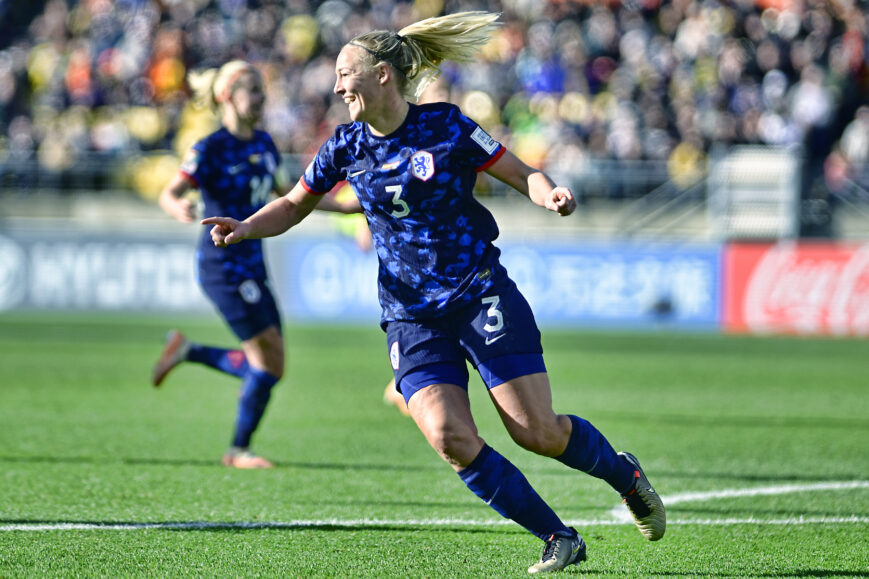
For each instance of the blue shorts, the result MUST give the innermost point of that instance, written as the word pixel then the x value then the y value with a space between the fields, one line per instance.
pixel 497 334
pixel 248 307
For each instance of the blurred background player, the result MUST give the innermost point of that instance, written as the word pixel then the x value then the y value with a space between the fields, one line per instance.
pixel 236 169
pixel 392 396
pixel 446 298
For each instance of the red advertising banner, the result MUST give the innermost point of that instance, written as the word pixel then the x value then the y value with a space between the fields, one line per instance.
pixel 797 288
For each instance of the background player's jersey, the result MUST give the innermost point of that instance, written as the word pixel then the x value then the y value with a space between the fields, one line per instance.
pixel 236 178
pixel 433 238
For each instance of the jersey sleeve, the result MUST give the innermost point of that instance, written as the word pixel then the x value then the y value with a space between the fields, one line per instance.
pixel 193 166
pixel 475 145
pixel 323 172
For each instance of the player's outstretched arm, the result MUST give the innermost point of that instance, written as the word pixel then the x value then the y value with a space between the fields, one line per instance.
pixel 533 183
pixel 273 219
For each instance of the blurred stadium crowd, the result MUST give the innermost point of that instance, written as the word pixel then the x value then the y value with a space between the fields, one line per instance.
pixel 564 81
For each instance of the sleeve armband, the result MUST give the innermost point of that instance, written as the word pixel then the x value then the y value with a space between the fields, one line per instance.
pixel 501 150
pixel 189 177
pixel 308 188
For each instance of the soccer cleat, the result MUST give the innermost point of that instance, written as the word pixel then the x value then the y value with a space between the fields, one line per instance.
pixel 174 352
pixel 559 552
pixel 643 502
pixel 244 458
pixel 394 397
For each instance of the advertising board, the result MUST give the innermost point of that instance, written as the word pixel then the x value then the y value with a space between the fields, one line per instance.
pixel 797 288
pixel 566 284
pixel 101 272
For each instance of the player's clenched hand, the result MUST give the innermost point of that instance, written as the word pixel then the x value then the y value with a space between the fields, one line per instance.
pixel 226 230
pixel 561 200
pixel 180 208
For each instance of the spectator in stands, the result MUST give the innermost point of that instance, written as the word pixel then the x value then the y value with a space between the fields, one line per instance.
pixel 729 73
pixel 855 138
pixel 848 163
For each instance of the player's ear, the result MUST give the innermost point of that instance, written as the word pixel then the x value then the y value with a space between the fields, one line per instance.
pixel 384 73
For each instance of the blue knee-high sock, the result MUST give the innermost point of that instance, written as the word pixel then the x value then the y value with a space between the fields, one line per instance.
pixel 494 479
pixel 231 362
pixel 255 393
pixel 589 451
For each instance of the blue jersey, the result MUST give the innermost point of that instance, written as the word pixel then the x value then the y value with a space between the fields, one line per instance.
pixel 236 178
pixel 433 238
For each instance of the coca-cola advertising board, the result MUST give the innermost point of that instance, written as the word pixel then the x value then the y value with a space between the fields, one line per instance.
pixel 797 288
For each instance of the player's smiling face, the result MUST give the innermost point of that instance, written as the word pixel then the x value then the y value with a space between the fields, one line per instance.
pixel 356 83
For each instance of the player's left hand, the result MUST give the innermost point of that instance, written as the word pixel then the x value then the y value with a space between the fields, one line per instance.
pixel 226 230
pixel 561 200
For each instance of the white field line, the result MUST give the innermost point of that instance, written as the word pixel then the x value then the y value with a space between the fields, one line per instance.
pixel 619 516
pixel 355 523
pixel 759 491
pixel 620 513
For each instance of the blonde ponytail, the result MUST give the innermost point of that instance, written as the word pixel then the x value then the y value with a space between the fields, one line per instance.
pixel 212 87
pixel 417 51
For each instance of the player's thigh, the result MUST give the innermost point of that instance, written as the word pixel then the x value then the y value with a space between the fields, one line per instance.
pixel 443 414
pixel 431 373
pixel 524 400
pixel 524 404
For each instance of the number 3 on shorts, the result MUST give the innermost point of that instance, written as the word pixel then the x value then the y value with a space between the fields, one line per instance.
pixel 493 312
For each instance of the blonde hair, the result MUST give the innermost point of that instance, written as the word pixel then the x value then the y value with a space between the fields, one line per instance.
pixel 417 51
pixel 213 87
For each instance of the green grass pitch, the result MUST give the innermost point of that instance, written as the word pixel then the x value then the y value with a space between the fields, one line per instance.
pixel 761 446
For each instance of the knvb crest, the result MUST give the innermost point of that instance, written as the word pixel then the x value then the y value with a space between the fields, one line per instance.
pixel 393 355
pixel 422 165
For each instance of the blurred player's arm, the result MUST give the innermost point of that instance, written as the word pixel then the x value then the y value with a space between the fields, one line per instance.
pixel 333 203
pixel 173 201
pixel 273 219
pixel 340 204
pixel 532 183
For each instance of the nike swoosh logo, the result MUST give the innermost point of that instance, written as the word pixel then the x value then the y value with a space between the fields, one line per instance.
pixel 357 173
pixel 495 339
pixel 494 494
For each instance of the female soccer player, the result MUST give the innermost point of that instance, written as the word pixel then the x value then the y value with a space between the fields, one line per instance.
pixel 445 296
pixel 236 169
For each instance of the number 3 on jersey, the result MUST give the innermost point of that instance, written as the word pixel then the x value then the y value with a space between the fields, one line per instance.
pixel 401 207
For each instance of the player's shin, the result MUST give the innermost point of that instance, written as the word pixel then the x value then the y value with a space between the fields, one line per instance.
pixel 503 487
pixel 589 451
pixel 255 393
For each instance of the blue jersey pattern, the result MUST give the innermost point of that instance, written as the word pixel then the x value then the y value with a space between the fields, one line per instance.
pixel 235 178
pixel 433 238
